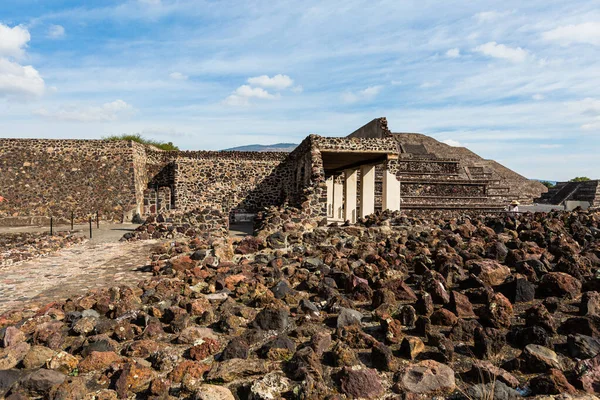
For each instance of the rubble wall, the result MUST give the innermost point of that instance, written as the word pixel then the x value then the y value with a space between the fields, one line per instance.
pixel 44 177
pixel 228 180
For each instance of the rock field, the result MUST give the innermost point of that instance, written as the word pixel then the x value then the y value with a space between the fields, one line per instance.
pixel 394 307
pixel 17 247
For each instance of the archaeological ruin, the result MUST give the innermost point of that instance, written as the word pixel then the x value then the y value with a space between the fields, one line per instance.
pixel 343 178
pixel 380 266
pixel 571 195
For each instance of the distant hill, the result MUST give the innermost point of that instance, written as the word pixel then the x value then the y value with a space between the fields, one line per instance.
pixel 545 180
pixel 278 147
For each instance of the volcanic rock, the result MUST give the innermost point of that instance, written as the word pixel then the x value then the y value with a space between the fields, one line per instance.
pixel 427 377
pixel 362 383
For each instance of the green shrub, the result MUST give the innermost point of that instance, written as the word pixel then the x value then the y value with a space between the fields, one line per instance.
pixel 136 137
pixel 580 179
pixel 549 185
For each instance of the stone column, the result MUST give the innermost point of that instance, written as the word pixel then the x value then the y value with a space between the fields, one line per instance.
pixel 350 183
pixel 338 199
pixel 329 183
pixel 391 192
pixel 367 190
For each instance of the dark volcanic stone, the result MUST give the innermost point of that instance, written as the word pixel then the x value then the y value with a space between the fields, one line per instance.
pixel 41 382
pixel 275 319
pixel 539 316
pixel 553 382
pixel 590 303
pixel 495 390
pixel 281 289
pixel 236 348
pixel 522 336
pixel 551 304
pixel 558 284
pixel 589 326
pixel 364 383
pixel 424 304
pixel 279 343
pixel 382 357
pixel 583 346
pixel 488 342
pixel 518 290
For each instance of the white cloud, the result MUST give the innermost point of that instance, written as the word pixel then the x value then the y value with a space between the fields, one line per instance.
pixel 538 97
pixel 112 111
pixel 588 32
pixel 396 83
pixel 589 109
pixel 178 76
pixel 487 16
pixel 451 142
pixel 430 84
pixel 493 49
pixel 56 31
pixel 362 95
pixel 298 89
pixel 277 82
pixel 550 146
pixel 17 81
pixel 13 41
pixel 244 93
pixel 453 53
pixel 150 2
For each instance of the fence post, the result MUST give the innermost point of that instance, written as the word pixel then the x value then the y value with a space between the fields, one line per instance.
pixel 51 226
pixel 90 227
pixel 72 218
pixel 97 220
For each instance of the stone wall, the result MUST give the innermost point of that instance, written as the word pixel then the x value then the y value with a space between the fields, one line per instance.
pixel 354 144
pixel 412 166
pixel 55 177
pixel 228 180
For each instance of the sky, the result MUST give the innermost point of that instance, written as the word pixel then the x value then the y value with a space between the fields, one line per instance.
pixel 514 81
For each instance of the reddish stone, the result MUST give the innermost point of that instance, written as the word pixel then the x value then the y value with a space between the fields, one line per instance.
pixel 202 351
pixel 553 382
pixel 363 383
pixel 490 272
pixel 183 263
pixel 498 312
pixel 198 306
pixel 134 378
pixel 393 330
pixel 443 317
pixel 559 284
pixel 460 305
pixel 188 368
pixel 98 361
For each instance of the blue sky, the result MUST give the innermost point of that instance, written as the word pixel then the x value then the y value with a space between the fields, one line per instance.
pixel 514 81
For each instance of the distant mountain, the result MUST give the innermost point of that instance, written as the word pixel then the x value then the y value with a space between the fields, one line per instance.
pixel 545 180
pixel 279 147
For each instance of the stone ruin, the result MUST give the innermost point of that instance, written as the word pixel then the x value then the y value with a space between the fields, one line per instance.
pixel 342 178
pixel 573 194
pixel 503 306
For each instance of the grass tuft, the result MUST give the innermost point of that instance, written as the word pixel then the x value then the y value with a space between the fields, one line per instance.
pixel 136 137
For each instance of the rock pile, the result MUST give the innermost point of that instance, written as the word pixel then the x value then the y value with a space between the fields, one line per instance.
pixel 206 222
pixel 17 247
pixel 462 308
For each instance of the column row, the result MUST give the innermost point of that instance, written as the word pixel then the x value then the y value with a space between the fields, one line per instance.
pixel 342 197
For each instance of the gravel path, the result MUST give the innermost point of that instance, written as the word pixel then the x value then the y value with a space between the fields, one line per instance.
pixel 73 271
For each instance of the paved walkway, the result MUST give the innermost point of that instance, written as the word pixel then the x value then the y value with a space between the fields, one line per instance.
pixel 105 234
pixel 72 271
